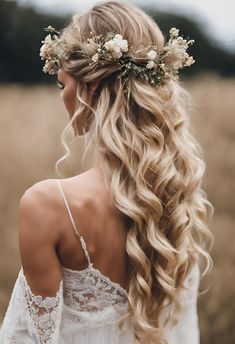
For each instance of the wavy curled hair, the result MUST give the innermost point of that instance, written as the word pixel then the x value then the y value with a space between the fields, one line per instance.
pixel 153 165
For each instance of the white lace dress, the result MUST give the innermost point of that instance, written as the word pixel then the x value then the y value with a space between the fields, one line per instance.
pixel 86 310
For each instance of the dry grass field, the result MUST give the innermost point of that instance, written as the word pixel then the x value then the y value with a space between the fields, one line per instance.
pixel 31 120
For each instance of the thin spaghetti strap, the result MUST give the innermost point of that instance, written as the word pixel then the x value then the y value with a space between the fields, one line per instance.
pixel 83 243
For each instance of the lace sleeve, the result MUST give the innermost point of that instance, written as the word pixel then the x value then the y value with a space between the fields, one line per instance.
pixel 44 312
pixel 31 318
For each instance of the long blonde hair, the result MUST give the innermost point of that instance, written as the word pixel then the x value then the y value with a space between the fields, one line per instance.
pixel 153 165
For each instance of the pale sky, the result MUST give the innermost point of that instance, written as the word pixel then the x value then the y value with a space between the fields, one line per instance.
pixel 217 16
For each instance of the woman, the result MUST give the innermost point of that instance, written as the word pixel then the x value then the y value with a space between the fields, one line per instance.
pixel 122 265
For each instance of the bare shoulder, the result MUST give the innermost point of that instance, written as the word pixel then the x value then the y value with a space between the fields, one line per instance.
pixel 42 202
pixel 38 237
pixel 38 191
pixel 38 203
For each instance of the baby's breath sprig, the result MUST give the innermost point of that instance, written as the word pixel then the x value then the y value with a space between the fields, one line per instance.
pixel 52 30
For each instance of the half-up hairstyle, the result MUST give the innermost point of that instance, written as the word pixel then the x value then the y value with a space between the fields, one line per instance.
pixel 153 165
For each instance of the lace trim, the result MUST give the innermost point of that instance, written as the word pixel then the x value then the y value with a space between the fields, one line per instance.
pixel 44 312
pixel 98 273
pixel 89 290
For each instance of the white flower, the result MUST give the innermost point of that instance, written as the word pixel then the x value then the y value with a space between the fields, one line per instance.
pixel 174 32
pixel 180 40
pixel 121 43
pixel 50 28
pixel 50 67
pixel 118 37
pixel 117 44
pixel 45 51
pixel 124 45
pixel 189 61
pixel 152 55
pixel 47 39
pixel 150 65
pixel 48 47
pixel 95 57
pixel 42 51
pixel 110 45
pixel 117 49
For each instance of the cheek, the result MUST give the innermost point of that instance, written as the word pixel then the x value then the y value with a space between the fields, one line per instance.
pixel 69 97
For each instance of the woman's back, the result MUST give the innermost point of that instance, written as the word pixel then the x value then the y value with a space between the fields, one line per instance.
pixel 102 227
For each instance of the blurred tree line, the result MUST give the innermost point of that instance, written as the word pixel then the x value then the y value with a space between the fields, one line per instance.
pixel 21 33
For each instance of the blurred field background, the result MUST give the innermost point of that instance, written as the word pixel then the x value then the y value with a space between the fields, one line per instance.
pixel 32 117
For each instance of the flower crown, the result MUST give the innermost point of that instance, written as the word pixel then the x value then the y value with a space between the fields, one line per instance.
pixel 148 63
